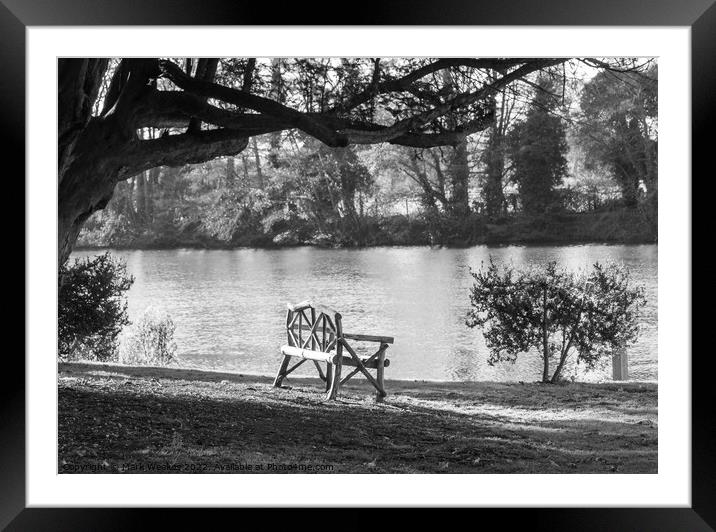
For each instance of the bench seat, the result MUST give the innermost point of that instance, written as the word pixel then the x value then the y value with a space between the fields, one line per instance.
pixel 330 357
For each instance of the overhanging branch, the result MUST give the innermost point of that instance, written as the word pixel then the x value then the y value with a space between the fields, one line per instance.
pixel 176 109
pixel 415 122
pixel 404 83
pixel 179 150
pixel 262 105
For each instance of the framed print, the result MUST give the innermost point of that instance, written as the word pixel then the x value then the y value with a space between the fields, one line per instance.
pixel 458 201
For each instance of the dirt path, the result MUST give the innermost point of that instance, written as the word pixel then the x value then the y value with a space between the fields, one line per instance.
pixel 137 419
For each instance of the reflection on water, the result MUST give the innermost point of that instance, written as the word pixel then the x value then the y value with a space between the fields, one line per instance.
pixel 229 305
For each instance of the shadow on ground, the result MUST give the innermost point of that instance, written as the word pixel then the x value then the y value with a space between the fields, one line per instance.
pixel 126 419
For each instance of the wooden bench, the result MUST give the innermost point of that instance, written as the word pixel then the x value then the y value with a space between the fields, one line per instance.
pixel 316 333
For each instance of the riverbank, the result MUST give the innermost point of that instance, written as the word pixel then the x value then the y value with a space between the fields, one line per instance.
pixel 619 226
pixel 115 418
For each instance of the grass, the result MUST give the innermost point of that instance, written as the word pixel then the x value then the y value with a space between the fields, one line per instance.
pixel 116 418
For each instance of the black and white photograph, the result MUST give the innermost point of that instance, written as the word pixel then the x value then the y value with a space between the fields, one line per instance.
pixel 357 265
pixel 409 258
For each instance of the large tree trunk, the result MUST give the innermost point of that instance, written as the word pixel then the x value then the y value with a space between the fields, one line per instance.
pixel 96 152
pixel 79 82
pixel 87 184
pixel 91 148
pixel 89 181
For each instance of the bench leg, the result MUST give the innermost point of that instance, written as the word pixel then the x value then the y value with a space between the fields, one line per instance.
pixel 335 381
pixel 329 376
pixel 281 371
pixel 380 371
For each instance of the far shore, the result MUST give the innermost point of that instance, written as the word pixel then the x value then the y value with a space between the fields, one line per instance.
pixel 140 419
pixel 223 246
pixel 617 227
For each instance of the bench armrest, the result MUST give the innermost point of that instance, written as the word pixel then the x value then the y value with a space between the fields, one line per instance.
pixel 369 338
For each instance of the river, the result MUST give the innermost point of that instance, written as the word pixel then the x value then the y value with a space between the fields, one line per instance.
pixel 229 305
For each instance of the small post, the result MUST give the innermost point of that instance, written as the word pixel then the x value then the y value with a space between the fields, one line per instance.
pixel 620 365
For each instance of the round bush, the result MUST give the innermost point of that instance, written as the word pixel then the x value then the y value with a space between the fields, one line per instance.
pixel 92 307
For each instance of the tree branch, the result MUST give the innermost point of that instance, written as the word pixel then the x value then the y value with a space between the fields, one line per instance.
pixel 205 71
pixel 174 109
pixel 135 86
pixel 417 121
pixel 403 83
pixel 179 150
pixel 257 103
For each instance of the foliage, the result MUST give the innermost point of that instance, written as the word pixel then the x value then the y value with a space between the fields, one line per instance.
pixel 556 312
pixel 287 188
pixel 92 307
pixel 330 189
pixel 618 129
pixel 150 340
pixel 492 193
pixel 538 147
pixel 494 155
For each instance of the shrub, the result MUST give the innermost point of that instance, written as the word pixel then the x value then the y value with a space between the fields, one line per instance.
pixel 556 312
pixel 91 307
pixel 394 230
pixel 150 340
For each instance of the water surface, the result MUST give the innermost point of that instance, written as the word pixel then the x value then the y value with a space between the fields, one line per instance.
pixel 229 305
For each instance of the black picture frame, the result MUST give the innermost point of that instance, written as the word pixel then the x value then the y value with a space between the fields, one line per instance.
pixel 699 15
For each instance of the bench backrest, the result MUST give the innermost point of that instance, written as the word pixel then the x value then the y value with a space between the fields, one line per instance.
pixel 314 327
